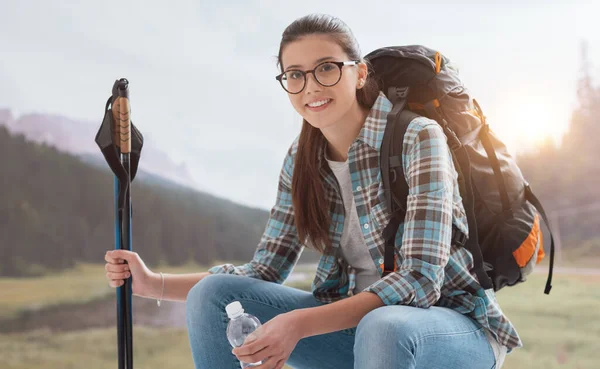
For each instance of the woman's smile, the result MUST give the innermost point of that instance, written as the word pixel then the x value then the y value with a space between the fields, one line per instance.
pixel 319 105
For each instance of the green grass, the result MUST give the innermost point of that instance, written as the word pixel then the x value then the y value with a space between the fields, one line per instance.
pixel 560 330
pixel 94 349
pixel 81 284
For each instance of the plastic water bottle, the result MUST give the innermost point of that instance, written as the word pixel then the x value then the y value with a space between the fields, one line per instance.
pixel 240 326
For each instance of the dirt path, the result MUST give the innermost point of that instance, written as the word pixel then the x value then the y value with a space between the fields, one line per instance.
pixel 97 314
pixel 574 271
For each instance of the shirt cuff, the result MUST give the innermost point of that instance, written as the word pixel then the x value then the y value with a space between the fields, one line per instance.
pixel 243 270
pixel 417 285
pixel 392 290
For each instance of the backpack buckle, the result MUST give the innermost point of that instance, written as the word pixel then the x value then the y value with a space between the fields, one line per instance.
pixel 453 140
pixel 458 237
pixel 387 271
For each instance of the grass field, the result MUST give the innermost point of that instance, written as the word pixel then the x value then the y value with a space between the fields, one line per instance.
pixel 81 284
pixel 560 330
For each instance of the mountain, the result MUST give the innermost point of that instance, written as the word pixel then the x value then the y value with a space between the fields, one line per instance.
pixel 142 175
pixel 57 209
pixel 77 137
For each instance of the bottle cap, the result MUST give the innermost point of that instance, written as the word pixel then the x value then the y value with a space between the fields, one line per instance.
pixel 234 309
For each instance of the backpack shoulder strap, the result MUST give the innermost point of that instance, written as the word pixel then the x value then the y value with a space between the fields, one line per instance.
pixel 538 206
pixel 398 184
pixel 396 188
pixel 391 150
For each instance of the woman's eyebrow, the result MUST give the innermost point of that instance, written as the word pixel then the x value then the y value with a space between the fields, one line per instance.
pixel 316 62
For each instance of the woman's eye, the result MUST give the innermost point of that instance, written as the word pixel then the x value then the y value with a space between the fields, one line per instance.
pixel 327 67
pixel 294 75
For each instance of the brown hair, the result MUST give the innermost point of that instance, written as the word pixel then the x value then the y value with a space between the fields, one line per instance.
pixel 311 208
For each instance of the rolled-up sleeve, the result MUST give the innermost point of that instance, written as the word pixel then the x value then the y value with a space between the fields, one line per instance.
pixel 278 249
pixel 425 249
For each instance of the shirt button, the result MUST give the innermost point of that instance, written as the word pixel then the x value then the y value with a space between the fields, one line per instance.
pixel 366 226
pixel 358 188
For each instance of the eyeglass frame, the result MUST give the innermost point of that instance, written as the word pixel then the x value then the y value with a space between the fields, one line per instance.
pixel 339 64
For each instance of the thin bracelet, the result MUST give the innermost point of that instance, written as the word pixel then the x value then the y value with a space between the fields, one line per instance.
pixel 162 277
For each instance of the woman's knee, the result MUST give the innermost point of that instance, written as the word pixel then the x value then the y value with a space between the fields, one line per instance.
pixel 206 300
pixel 212 288
pixel 407 325
pixel 212 292
pixel 388 326
pixel 402 336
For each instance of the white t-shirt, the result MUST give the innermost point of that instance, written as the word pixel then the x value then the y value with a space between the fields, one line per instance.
pixel 353 246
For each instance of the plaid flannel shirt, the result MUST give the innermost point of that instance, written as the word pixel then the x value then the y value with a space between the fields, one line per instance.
pixel 431 271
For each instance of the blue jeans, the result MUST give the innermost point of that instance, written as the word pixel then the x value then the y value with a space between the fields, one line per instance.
pixel 389 337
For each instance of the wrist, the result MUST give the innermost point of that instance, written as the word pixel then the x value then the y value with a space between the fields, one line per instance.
pixel 154 286
pixel 299 319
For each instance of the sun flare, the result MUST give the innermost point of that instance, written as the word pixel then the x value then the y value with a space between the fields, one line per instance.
pixel 526 124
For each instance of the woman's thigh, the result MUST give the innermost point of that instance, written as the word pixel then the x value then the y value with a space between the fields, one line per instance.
pixel 207 322
pixel 414 338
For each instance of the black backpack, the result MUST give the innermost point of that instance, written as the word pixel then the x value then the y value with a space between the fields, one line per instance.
pixel 505 234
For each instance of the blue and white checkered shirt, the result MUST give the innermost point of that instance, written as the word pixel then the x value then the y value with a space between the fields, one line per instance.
pixel 431 271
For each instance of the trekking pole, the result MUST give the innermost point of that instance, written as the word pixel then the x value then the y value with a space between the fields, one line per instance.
pixel 121 116
pixel 121 144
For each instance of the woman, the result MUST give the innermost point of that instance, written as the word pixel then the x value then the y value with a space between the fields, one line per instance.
pixel 330 198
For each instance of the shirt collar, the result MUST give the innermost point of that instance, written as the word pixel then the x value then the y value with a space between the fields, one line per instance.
pixel 373 128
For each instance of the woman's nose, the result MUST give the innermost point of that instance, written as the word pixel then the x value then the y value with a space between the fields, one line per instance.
pixel 311 83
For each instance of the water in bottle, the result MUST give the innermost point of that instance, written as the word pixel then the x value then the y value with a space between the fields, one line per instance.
pixel 241 324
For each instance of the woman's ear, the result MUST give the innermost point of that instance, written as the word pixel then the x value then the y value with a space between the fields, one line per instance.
pixel 363 71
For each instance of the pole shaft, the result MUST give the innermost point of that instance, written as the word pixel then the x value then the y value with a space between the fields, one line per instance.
pixel 122 140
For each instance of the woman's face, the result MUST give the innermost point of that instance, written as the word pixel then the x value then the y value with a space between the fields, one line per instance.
pixel 305 54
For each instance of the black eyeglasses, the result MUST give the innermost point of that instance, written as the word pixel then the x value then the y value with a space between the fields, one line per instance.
pixel 326 74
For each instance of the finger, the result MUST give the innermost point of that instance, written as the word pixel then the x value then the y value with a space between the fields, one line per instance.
pixel 246 349
pixel 126 255
pixel 116 283
pixel 116 268
pixel 280 364
pixel 114 276
pixel 267 363
pixel 112 260
pixel 263 354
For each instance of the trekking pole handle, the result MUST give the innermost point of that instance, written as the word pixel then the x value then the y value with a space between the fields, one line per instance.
pixel 122 116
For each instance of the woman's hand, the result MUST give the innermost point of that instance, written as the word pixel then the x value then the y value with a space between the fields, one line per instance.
pixel 117 271
pixel 272 343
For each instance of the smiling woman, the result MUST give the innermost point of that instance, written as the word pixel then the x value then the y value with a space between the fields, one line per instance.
pixel 329 199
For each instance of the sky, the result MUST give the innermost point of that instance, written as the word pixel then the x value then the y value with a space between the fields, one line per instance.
pixel 202 73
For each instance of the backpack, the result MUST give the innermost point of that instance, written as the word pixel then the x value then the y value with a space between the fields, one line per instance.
pixel 505 234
